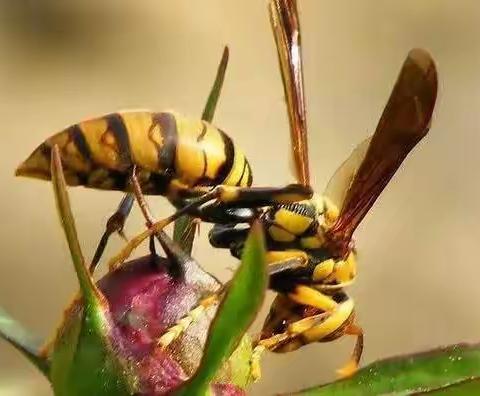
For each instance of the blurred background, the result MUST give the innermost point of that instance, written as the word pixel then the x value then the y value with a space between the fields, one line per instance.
pixel 64 61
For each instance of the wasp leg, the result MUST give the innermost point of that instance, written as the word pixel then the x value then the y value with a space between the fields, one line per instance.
pixel 242 197
pixel 176 330
pixel 344 270
pixel 323 327
pixel 351 366
pixel 334 275
pixel 223 200
pixel 142 203
pixel 115 223
pixel 277 257
pixel 306 295
pixel 294 330
pixel 278 340
pixel 153 250
pixel 177 258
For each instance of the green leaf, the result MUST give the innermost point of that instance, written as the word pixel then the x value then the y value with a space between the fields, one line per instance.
pixel 238 309
pixel 466 387
pixel 83 359
pixel 239 368
pixel 21 339
pixel 84 362
pixel 404 375
pixel 185 227
pixel 87 286
pixel 209 110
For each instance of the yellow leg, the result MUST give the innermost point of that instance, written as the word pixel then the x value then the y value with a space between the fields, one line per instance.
pixel 341 272
pixel 271 342
pixel 273 256
pixel 117 260
pixel 174 332
pixel 307 323
pixel 280 261
pixel 323 270
pixel 292 332
pixel 305 295
pixel 345 270
pixel 351 366
pixel 336 286
pixel 325 326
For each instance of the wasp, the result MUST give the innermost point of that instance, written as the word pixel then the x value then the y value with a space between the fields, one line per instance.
pixel 310 250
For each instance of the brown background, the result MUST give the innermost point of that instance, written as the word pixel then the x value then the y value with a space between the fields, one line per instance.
pixel 61 62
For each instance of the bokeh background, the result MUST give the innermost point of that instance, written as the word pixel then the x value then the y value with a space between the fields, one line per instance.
pixel 64 61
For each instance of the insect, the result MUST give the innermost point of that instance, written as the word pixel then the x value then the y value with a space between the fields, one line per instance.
pixel 309 243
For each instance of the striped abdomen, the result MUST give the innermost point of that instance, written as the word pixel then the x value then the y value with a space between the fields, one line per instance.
pixel 165 147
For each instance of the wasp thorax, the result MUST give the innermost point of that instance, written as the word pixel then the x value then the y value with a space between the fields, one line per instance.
pixel 302 223
pixel 289 222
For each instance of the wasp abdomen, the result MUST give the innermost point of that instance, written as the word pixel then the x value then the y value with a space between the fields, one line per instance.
pixel 164 147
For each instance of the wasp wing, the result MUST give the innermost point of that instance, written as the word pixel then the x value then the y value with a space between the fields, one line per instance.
pixel 286 30
pixel 342 179
pixel 404 122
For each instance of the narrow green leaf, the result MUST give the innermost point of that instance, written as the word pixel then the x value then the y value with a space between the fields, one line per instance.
pixel 209 110
pixel 464 388
pixel 410 374
pixel 185 227
pixel 87 286
pixel 21 339
pixel 238 309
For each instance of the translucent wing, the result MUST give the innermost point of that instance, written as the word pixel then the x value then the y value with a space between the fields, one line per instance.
pixel 404 122
pixel 342 179
pixel 286 30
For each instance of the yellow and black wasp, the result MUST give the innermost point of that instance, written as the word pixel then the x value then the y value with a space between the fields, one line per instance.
pixel 197 167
